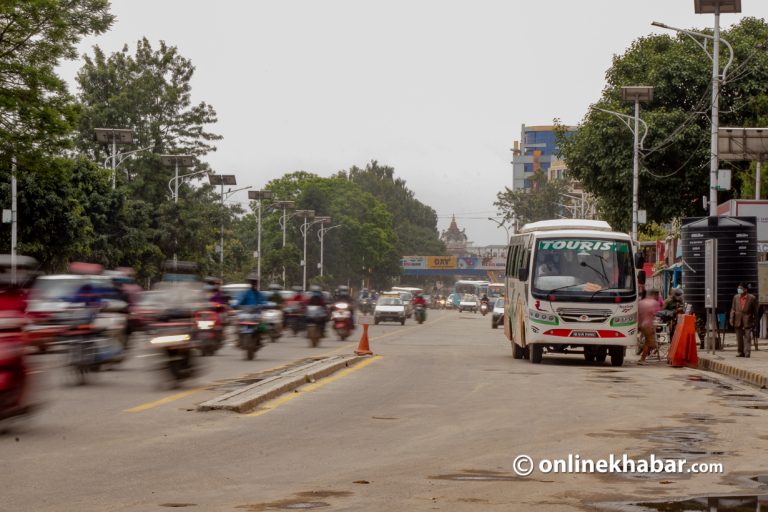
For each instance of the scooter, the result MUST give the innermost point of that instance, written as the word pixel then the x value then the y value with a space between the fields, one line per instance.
pixel 89 348
pixel 341 316
pixel 316 317
pixel 272 318
pixel 14 376
pixel 293 312
pixel 250 328
pixel 209 331
pixel 484 308
pixel 176 341
pixel 420 313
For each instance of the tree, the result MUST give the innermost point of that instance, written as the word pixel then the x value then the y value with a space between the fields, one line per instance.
pixel 414 222
pixel 541 202
pixel 36 112
pixel 675 157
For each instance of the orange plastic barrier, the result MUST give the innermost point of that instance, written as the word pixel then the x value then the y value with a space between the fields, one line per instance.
pixel 682 352
pixel 362 348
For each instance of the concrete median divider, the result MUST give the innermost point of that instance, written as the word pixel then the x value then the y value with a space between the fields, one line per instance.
pixel 249 397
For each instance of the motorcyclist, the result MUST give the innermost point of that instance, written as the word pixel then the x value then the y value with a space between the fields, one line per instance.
pixel 342 295
pixel 215 296
pixel 274 294
pixel 419 300
pixel 485 300
pixel 316 298
pixel 252 297
pixel 298 293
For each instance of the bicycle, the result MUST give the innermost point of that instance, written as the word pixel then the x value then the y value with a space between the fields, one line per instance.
pixel 663 339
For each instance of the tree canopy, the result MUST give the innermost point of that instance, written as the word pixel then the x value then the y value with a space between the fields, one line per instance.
pixel 675 156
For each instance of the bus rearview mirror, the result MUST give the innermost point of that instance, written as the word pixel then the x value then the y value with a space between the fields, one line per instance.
pixel 522 274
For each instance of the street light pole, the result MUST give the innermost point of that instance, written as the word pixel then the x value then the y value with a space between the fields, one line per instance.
pixel 501 225
pixel 222 179
pixel 14 220
pixel 113 137
pixel 306 214
pixel 636 94
pixel 176 161
pixel 321 236
pixel 258 196
pixel 283 223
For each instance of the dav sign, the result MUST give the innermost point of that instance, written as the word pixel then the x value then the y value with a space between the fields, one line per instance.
pixel 441 262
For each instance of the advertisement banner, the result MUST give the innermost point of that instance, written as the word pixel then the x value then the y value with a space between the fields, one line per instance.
pixel 441 262
pixel 413 262
pixel 491 263
pixel 467 262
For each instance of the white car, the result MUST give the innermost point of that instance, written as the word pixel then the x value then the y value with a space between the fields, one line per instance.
pixel 389 309
pixel 468 302
pixel 497 316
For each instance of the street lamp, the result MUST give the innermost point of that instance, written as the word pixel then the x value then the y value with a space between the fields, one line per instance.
pixel 176 161
pixel 501 225
pixel 638 96
pixel 283 222
pixel 221 180
pixel 258 196
pixel 321 236
pixel 636 93
pixel 114 136
pixel 715 7
pixel 305 214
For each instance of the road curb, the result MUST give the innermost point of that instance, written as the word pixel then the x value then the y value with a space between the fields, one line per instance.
pixel 248 397
pixel 750 377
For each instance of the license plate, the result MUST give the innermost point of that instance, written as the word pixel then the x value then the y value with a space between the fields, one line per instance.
pixel 584 334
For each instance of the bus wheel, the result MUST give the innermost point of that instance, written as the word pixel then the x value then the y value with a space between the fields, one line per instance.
pixel 589 355
pixel 600 355
pixel 518 352
pixel 537 353
pixel 617 356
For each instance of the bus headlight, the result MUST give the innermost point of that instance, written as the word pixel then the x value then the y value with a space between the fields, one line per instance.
pixel 542 317
pixel 624 320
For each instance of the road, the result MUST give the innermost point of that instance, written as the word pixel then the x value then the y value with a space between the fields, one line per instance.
pixel 433 422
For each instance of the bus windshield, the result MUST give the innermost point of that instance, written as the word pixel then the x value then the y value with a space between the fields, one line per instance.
pixel 583 269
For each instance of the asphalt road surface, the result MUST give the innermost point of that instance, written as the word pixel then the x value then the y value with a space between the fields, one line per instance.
pixel 433 422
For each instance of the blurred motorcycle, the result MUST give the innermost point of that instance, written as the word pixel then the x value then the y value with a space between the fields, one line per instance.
pixel 420 313
pixel 209 331
pixel 272 318
pixel 176 343
pixel 316 317
pixel 341 316
pixel 250 328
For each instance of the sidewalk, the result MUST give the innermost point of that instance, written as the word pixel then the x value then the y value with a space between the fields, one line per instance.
pixel 752 370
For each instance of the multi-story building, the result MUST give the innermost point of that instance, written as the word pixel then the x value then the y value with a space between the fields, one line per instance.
pixel 536 151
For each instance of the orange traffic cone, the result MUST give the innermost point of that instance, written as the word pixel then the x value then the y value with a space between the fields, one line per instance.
pixel 363 349
pixel 682 352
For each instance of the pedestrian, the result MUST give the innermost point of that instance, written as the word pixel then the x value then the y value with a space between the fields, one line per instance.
pixel 646 312
pixel 742 318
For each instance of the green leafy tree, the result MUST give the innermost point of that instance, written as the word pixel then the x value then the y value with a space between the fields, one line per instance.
pixel 36 111
pixel 675 156
pixel 541 202
pixel 414 222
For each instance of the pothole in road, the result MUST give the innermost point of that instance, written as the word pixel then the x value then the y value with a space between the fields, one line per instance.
pixel 307 500
pixel 178 505
pixel 744 503
pixel 384 418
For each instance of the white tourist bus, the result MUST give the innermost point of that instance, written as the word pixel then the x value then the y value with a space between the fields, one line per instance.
pixel 571 285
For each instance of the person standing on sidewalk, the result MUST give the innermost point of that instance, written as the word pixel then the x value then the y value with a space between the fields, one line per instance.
pixel 743 312
pixel 646 312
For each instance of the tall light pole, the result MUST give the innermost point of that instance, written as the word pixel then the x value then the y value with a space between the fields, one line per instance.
pixel 14 220
pixel 715 7
pixel 221 180
pixel 258 196
pixel 632 122
pixel 306 215
pixel 321 236
pixel 283 222
pixel 501 225
pixel 176 162
pixel 114 136
pixel 636 93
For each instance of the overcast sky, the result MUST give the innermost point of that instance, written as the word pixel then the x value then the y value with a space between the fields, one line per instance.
pixel 438 89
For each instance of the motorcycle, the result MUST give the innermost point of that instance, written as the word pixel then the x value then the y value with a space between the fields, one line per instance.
pixel 420 313
pixel 209 331
pixel 272 318
pixel 88 346
pixel 14 376
pixel 341 316
pixel 366 306
pixel 316 317
pixel 484 308
pixel 177 343
pixel 294 316
pixel 250 328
